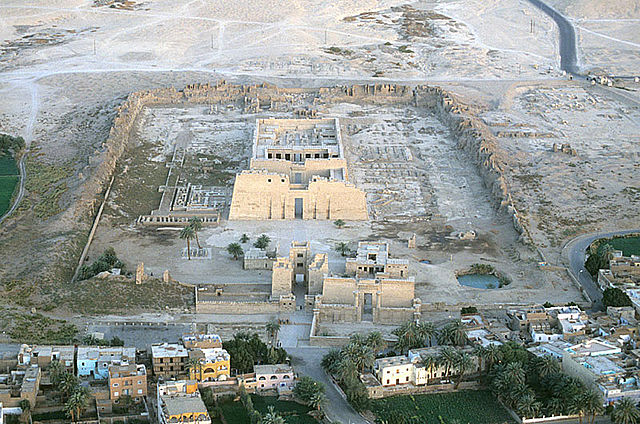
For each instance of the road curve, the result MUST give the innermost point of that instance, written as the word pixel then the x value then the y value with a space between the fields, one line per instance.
pixel 575 250
pixel 568 52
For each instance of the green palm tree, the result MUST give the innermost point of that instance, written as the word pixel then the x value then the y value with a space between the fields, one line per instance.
pixel 25 406
pixel 547 365
pixel 625 412
pixel 272 327
pixel 262 242
pixel 376 342
pixel 527 406
pixel 331 361
pixel 458 333
pixel 343 248
pixel 357 339
pixel 347 371
pixel 463 362
pixel 493 355
pixel 68 384
pixel 479 352
pixel 55 372
pixel 272 417
pixel 317 400
pixel 430 363
pixel 448 357
pixel 244 238
pixel 555 406
pixel 235 250
pixel 339 223
pixel 188 234
pixel 425 332
pixel 195 367
pixel 196 224
pixel 515 373
pixel 77 402
pixel 360 355
pixel 593 404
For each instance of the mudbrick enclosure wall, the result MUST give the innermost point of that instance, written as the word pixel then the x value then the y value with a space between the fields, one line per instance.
pixel 473 136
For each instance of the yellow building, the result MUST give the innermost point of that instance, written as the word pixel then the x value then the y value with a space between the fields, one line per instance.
pixel 180 402
pixel 209 364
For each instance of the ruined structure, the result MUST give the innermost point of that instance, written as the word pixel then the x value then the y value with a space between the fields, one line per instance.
pixel 378 289
pixel 298 171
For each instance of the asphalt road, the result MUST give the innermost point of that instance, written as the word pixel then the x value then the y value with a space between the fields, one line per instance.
pixel 575 252
pixel 568 53
pixel 306 361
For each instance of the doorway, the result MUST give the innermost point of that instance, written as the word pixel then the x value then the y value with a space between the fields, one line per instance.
pixel 299 208
pixel 367 307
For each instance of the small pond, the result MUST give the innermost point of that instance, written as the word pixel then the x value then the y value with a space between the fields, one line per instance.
pixel 479 281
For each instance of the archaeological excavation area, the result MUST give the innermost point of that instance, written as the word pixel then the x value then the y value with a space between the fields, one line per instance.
pixel 402 166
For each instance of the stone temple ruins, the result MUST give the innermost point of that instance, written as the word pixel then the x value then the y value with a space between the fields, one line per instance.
pixel 298 171
pixel 374 286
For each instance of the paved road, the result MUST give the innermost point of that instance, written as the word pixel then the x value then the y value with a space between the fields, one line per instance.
pixel 568 53
pixel 575 250
pixel 306 361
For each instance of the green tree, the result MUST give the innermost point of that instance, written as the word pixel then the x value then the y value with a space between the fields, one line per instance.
pixel 194 366
pixel 463 363
pixel 331 361
pixel 317 400
pixel 376 342
pixel 77 402
pixel 272 417
pixel 188 234
pixel 306 388
pixel 246 349
pixel 492 354
pixel 614 296
pixel 262 242
pixel 528 406
pixel 448 357
pixel 272 327
pixel 547 365
pixel 593 404
pixel 68 384
pixel 25 406
pixel 196 224
pixel 361 355
pixel 244 238
pixel 339 223
pixel 625 412
pixel 235 250
pixel 343 248
pixel 55 372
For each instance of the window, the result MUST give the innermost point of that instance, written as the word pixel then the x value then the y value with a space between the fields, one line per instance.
pixel 268 180
pixel 139 391
pixel 139 381
pixel 387 381
pixel 115 384
pixel 286 377
pixel 300 255
pixel 262 378
pixel 407 378
pixel 116 394
pixel 274 377
pixel 282 180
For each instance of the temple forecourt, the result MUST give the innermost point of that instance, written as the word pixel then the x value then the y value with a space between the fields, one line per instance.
pixel 297 171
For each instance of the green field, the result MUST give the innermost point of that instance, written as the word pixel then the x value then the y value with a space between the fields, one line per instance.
pixel 628 245
pixel 292 412
pixel 464 407
pixel 9 177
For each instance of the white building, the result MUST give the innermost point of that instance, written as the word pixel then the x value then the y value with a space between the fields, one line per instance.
pixel 394 370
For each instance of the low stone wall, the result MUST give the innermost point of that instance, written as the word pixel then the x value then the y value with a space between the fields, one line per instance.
pixel 377 392
pixel 237 308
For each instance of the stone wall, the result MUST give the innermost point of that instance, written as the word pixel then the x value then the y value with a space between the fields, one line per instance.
pixel 259 195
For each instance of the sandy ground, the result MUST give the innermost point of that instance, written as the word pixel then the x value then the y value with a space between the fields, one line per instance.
pixel 64 65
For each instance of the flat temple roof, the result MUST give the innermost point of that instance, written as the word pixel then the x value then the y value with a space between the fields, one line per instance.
pixel 298 136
